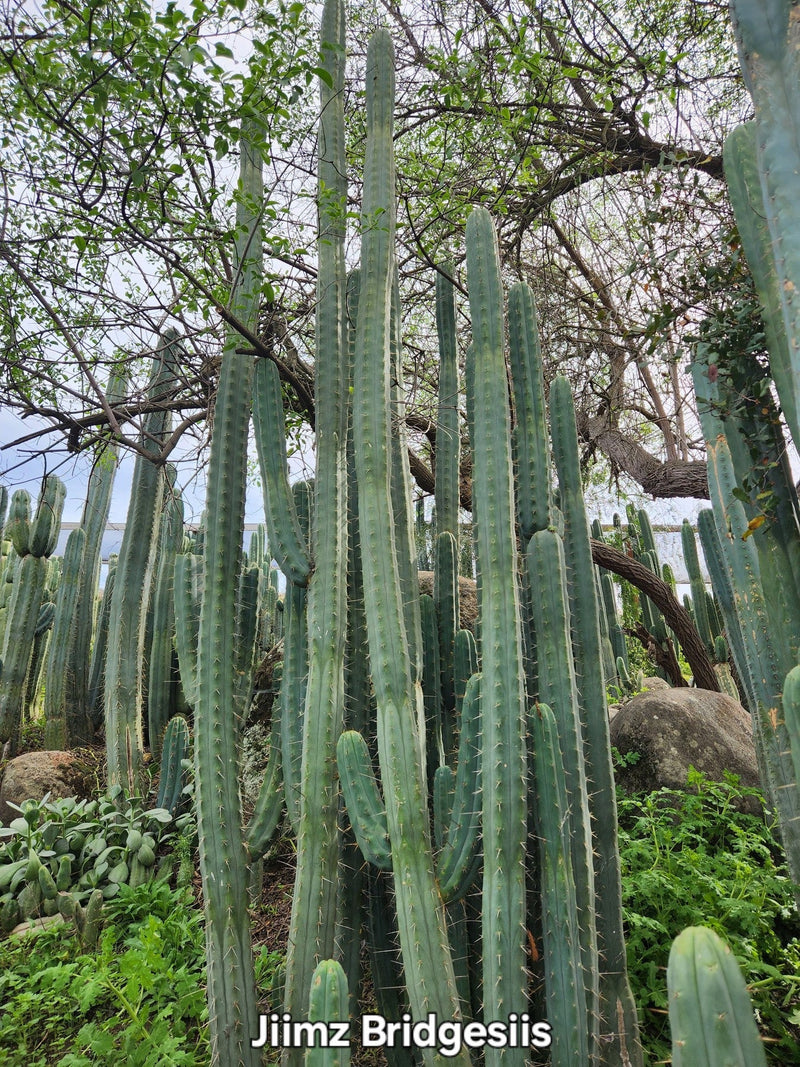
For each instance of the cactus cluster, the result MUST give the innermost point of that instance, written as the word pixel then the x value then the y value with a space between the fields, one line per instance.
pixel 751 540
pixel 451 794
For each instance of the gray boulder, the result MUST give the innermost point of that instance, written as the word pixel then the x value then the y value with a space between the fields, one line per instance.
pixel 34 774
pixel 672 729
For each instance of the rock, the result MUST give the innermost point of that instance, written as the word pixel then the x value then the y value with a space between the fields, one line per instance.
pixel 255 754
pixel 467 595
pixel 33 775
pixel 653 682
pixel 672 729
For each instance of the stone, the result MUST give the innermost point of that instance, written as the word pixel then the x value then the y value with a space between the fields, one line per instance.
pixel 33 775
pixel 255 755
pixel 653 682
pixel 467 596
pixel 673 729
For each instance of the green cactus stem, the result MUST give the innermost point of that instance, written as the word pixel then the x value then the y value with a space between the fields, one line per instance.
pixel 231 983
pixel 33 540
pixel 162 687
pixel 285 535
pixel 618 1038
pixel 564 978
pixel 427 963
pixel 767 37
pixel 94 517
pixel 710 1013
pixel 365 806
pixel 56 733
pixel 531 454
pixel 174 748
pixel 314 904
pixel 123 691
pixel 187 591
pixel 328 1003
pixel 270 803
pixel 504 760
pixel 95 696
pixel 448 436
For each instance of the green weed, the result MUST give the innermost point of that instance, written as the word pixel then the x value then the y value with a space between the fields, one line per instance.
pixel 139 999
pixel 697 858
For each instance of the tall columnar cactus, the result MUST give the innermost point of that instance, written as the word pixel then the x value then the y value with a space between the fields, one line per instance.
pixel 618 1025
pixel 705 613
pixel 34 539
pixel 448 436
pixel 93 522
pixel 564 970
pixel 285 534
pixel 767 37
pixel 448 454
pixel 95 692
pixel 314 910
pixel 423 936
pixel 231 986
pixel 292 697
pixel 764 652
pixel 557 687
pixel 710 1013
pixel 123 692
pixel 64 622
pixel 762 164
pixel 504 760
pixel 188 592
pixel 162 688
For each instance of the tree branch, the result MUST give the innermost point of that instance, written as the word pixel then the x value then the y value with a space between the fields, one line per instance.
pixel 675 615
pixel 673 478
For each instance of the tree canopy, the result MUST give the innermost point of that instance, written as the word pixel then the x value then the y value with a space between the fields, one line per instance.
pixel 592 132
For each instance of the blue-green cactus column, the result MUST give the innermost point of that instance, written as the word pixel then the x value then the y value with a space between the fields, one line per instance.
pixel 313 926
pixel 504 762
pixel 427 963
pixel 231 983
pixel 94 518
pixel 33 540
pixel 124 658
pixel 768 39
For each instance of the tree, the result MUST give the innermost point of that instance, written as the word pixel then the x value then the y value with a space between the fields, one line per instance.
pixel 594 132
pixel 594 135
pixel 117 150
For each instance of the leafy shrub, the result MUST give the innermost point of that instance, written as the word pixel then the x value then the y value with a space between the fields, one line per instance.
pixel 139 999
pixel 77 846
pixel 698 859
